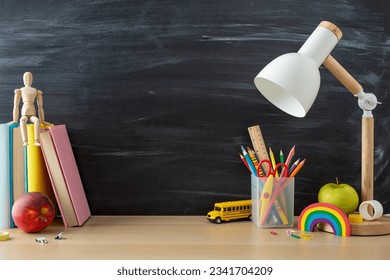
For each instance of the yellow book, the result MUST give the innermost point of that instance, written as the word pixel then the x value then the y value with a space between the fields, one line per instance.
pixel 38 179
pixel 18 165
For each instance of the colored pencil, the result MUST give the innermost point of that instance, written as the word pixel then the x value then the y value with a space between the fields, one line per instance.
pixel 252 155
pixel 255 161
pixel 290 156
pixel 299 167
pixel 244 161
pixel 281 156
pixel 293 166
pixel 272 157
pixel 249 161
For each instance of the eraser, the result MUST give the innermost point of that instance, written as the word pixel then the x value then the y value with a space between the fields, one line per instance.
pixel 4 236
pixel 355 218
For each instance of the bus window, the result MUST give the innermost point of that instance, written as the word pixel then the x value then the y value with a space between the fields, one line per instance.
pixel 217 208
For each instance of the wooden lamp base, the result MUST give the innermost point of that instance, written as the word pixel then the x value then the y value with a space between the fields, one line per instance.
pixel 367 228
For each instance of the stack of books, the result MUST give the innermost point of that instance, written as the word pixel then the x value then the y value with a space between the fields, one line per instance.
pixel 50 168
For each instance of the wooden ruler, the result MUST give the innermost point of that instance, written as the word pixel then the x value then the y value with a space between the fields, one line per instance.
pixel 258 144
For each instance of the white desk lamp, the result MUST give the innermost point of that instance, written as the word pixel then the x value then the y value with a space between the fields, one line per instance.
pixel 291 82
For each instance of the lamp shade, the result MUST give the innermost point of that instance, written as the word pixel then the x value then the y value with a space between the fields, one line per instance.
pixel 290 82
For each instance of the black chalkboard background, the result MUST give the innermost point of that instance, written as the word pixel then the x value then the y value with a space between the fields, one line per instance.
pixel 157 95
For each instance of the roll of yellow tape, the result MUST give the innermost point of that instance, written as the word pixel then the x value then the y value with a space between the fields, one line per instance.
pixel 4 236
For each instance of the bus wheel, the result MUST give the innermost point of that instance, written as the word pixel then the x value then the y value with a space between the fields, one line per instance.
pixel 217 220
pixel 250 217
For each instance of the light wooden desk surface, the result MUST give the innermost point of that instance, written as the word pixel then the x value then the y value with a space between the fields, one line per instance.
pixel 184 238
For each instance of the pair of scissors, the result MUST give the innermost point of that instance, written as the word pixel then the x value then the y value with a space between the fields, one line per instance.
pixel 271 170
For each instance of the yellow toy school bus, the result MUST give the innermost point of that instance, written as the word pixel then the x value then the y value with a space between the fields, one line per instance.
pixel 230 210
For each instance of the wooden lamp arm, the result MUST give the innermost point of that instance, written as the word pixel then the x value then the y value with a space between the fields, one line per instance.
pixel 367 102
pixel 342 75
pixel 367 188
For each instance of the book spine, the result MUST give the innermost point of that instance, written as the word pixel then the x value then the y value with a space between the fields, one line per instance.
pixel 37 175
pixel 5 213
pixel 17 163
pixel 11 172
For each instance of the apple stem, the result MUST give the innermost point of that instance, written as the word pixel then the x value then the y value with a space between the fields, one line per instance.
pixel 337 180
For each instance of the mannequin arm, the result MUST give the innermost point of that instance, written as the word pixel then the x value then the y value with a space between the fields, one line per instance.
pixel 15 112
pixel 41 113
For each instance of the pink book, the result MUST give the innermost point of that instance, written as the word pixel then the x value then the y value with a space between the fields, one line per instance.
pixel 70 171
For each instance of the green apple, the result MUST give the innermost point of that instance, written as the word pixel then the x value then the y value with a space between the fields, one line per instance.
pixel 342 196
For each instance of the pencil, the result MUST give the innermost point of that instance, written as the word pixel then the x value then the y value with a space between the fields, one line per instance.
pixel 299 166
pixel 249 161
pixel 272 156
pixel 293 166
pixel 244 161
pixel 281 156
pixel 259 170
pixel 290 156
pixel 252 156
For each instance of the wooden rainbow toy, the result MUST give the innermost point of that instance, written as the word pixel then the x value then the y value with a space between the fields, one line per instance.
pixel 327 213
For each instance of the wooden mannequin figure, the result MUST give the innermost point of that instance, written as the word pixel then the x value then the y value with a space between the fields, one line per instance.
pixel 28 95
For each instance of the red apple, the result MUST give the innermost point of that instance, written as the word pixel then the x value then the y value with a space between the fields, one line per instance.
pixel 33 212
